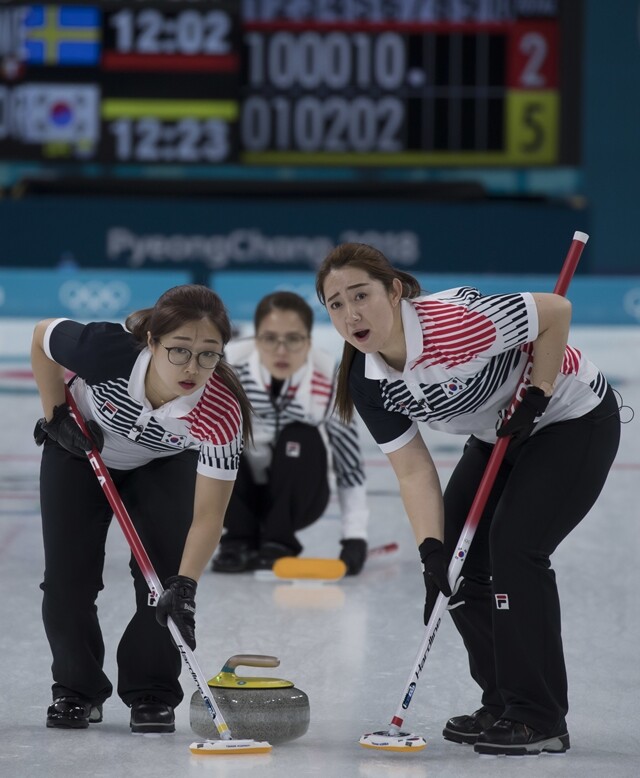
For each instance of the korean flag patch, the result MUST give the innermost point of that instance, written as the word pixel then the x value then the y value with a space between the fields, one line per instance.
pixel 453 387
pixel 171 439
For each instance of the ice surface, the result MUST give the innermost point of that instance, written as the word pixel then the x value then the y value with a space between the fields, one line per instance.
pixel 349 645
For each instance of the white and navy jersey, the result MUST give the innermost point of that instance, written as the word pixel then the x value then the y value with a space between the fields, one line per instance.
pixel 465 357
pixel 109 388
pixel 307 397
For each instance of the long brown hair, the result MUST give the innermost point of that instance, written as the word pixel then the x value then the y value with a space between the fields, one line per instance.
pixel 283 301
pixel 377 267
pixel 184 304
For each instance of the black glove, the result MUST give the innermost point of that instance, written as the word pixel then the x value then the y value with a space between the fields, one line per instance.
pixel 178 601
pixel 521 424
pixel 435 575
pixel 353 554
pixel 39 435
pixel 63 429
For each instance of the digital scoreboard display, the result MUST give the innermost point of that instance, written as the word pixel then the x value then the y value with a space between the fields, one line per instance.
pixel 394 83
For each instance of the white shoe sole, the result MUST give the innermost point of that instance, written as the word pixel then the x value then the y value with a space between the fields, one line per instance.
pixel 553 745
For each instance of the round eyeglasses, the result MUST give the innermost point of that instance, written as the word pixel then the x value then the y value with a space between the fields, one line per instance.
pixel 292 341
pixel 178 355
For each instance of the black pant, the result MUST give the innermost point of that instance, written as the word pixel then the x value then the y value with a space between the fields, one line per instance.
pixel 507 609
pixel 75 520
pixel 295 495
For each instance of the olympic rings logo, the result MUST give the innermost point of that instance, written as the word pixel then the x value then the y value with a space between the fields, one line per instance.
pixel 94 297
pixel 632 303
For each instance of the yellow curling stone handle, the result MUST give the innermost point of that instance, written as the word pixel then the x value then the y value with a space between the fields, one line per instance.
pixel 227 679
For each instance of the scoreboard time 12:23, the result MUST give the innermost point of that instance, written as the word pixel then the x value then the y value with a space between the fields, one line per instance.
pixel 291 82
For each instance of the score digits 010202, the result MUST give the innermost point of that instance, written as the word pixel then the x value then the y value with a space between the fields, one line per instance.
pixel 324 92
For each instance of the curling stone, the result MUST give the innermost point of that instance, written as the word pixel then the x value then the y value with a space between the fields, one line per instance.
pixel 270 709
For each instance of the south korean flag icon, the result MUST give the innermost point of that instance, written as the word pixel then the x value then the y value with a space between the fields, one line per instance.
pixel 453 387
pixel 171 439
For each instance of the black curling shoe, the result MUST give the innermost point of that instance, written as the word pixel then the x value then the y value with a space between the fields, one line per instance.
pixel 269 554
pixel 466 729
pixel 513 738
pixel 235 556
pixel 73 713
pixel 149 714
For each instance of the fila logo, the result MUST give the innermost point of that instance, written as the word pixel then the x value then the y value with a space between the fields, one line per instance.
pixel 502 602
pixel 109 409
pixel 292 449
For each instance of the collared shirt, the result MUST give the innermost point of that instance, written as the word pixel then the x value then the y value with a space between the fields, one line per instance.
pixel 308 397
pixel 109 388
pixel 465 356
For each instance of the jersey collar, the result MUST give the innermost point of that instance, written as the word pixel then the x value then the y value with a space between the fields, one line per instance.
pixel 176 408
pixel 375 366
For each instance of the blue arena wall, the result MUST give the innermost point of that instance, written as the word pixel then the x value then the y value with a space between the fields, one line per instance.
pixel 81 294
pixel 112 294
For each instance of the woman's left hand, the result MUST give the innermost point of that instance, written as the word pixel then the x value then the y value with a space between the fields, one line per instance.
pixel 353 554
pixel 524 418
pixel 178 602
pixel 435 573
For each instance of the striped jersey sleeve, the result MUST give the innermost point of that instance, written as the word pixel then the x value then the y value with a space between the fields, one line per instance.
pixel 460 324
pixel 385 423
pixel 217 421
pixel 98 351
pixel 345 447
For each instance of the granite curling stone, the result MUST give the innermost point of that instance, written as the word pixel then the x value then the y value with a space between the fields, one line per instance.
pixel 270 709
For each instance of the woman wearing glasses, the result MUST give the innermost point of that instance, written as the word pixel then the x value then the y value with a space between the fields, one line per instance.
pixel 169 417
pixel 282 483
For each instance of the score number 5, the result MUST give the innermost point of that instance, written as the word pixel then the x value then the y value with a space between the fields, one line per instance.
pixel 532 126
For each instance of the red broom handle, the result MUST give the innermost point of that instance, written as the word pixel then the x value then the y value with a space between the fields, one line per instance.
pixel 500 448
pixel 119 511
pixel 147 570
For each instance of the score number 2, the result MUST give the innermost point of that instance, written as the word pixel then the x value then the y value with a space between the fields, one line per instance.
pixel 532 99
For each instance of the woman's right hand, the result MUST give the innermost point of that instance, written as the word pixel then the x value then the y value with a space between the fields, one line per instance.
pixel 435 573
pixel 63 429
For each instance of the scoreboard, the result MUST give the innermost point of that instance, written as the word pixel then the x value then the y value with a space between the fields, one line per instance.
pixel 359 83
